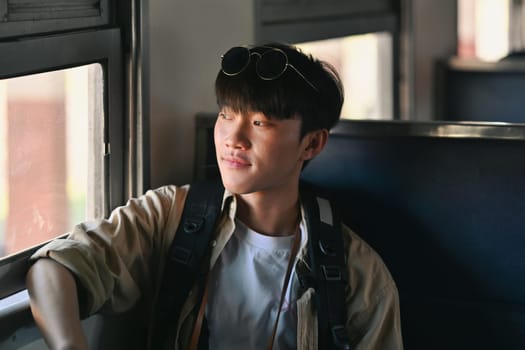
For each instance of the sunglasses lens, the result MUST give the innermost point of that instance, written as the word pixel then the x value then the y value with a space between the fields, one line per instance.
pixel 272 64
pixel 235 60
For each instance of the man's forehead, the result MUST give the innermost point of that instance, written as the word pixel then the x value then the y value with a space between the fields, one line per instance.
pixel 252 113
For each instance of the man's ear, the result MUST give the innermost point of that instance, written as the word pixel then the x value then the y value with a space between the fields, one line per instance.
pixel 313 143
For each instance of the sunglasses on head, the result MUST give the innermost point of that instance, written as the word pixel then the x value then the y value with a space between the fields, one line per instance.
pixel 271 64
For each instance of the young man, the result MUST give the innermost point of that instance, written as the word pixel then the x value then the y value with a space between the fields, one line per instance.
pixel 276 107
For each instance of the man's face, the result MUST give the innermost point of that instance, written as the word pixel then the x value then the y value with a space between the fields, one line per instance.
pixel 256 153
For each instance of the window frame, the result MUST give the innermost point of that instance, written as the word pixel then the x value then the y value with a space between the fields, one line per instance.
pixel 39 54
pixel 39 17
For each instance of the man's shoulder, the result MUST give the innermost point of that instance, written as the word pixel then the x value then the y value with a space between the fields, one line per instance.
pixel 365 262
pixel 168 190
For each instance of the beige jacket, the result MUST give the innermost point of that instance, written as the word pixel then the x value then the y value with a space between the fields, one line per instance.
pixel 120 260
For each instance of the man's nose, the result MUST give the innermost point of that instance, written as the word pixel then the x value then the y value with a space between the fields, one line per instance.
pixel 238 136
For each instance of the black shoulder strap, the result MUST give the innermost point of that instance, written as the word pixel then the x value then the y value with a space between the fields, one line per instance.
pixel 330 274
pixel 189 247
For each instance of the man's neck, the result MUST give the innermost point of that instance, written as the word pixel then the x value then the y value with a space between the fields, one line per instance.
pixel 276 213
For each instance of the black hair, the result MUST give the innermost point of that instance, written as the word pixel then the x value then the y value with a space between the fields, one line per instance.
pixel 289 95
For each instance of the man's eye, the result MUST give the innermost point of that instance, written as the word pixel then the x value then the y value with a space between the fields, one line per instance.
pixel 259 123
pixel 224 116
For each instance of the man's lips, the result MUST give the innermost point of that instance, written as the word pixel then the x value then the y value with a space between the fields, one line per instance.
pixel 235 161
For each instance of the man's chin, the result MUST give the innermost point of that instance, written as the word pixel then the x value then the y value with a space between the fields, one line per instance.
pixel 237 187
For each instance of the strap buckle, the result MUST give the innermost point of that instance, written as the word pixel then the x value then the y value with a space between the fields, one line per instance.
pixel 331 272
pixel 181 255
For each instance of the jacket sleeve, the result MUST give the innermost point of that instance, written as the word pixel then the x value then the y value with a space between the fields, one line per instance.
pixel 372 300
pixel 116 260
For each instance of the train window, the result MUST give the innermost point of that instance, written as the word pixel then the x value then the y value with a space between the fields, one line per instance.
pixel 50 155
pixel 486 27
pixel 365 65
pixel 35 85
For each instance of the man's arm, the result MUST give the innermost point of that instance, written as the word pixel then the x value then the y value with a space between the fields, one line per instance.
pixel 54 304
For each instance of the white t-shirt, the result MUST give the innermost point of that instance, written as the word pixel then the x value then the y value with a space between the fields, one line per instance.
pixel 245 291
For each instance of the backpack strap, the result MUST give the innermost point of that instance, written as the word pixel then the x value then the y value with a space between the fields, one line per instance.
pixel 330 273
pixel 187 252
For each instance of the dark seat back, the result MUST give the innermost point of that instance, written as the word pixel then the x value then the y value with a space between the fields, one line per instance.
pixel 469 90
pixel 444 205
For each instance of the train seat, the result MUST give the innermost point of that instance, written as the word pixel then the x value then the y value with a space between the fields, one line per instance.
pixel 444 205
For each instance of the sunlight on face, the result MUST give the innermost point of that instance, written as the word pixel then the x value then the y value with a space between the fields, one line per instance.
pixel 257 153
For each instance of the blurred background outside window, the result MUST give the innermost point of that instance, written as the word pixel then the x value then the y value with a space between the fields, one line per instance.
pixel 364 63
pixel 489 29
pixel 47 172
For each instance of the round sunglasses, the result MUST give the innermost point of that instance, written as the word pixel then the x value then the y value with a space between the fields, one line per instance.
pixel 271 64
